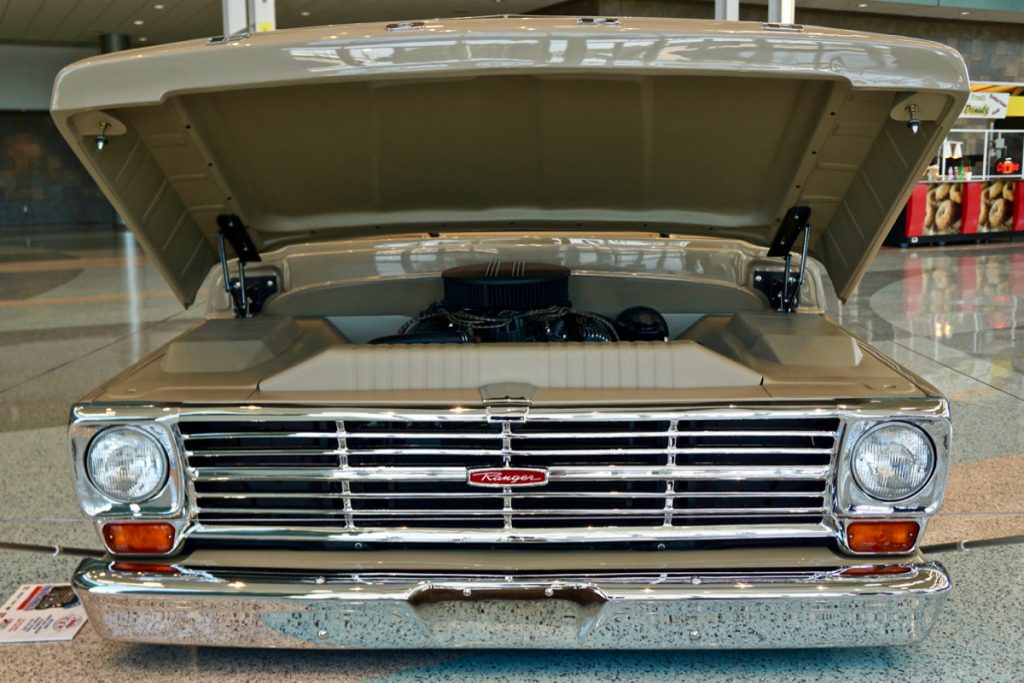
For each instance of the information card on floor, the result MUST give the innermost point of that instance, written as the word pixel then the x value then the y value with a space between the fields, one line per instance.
pixel 41 612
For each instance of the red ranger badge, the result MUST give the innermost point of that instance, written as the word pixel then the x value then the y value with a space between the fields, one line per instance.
pixel 508 476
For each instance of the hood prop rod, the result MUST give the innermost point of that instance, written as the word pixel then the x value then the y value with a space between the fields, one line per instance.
pixel 233 230
pixel 791 300
pixel 793 224
pixel 238 300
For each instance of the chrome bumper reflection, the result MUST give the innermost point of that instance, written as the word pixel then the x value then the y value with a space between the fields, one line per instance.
pixel 710 610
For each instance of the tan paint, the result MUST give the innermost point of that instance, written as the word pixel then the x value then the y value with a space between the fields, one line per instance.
pixel 307 362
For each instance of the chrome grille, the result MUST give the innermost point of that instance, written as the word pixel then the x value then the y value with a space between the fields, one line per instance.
pixel 683 475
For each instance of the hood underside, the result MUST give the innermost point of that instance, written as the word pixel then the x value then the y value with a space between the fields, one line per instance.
pixel 679 126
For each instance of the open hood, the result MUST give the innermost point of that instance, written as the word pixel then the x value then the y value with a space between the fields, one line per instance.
pixel 678 126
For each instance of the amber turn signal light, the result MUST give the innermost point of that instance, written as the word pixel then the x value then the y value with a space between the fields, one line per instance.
pixel 881 537
pixel 133 538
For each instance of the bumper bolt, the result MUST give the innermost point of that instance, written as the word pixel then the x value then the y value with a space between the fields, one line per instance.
pixel 322 634
pixel 320 580
pixel 548 592
pixel 696 581
pixel 694 634
pixel 467 592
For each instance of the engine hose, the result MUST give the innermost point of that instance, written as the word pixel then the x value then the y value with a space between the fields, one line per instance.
pixel 613 333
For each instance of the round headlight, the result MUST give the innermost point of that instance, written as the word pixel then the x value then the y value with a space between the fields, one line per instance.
pixel 126 464
pixel 893 461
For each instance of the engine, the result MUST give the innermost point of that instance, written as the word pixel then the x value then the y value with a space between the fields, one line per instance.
pixel 514 301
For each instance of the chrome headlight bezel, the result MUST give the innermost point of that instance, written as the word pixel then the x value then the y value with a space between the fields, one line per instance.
pixel 853 501
pixel 168 501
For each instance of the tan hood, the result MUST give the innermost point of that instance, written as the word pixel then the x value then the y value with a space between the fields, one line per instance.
pixel 678 126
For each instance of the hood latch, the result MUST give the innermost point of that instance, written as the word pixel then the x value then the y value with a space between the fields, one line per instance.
pixel 507 401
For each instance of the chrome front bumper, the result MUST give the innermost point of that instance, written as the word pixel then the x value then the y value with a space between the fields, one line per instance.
pixel 748 609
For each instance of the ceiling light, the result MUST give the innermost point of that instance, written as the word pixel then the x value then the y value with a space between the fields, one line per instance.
pixel 143 39
pixel 862 5
pixel 964 13
pixel 158 6
pixel 138 22
pixel 305 13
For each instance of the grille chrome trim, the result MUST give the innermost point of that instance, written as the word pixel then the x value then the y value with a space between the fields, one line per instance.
pixel 677 474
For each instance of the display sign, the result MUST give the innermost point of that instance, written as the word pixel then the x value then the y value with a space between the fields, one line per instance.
pixel 944 209
pixel 41 612
pixel 996 206
pixel 1007 167
pixel 986 105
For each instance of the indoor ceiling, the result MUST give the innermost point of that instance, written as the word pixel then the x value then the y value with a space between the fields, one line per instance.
pixel 80 22
pixel 960 10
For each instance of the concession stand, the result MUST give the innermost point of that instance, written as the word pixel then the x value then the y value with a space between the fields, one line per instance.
pixel 974 189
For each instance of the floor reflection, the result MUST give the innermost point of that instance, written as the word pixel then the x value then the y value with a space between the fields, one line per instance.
pixel 969 299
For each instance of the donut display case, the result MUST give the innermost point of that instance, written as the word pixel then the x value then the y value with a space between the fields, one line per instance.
pixel 974 192
pixel 999 205
pixel 967 211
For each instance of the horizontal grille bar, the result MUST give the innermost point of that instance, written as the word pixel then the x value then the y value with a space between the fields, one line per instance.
pixel 261 435
pixel 516 495
pixel 459 474
pixel 601 512
pixel 591 451
pixel 498 435
pixel 545 534
pixel 268 453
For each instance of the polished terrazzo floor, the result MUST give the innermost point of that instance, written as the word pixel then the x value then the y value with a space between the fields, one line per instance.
pixel 77 304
